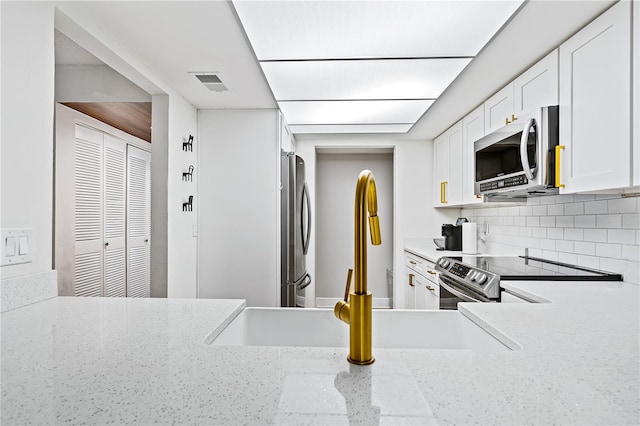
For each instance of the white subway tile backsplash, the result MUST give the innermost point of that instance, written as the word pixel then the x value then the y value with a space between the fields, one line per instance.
pixel 566 246
pixel 574 208
pixel 533 221
pixel 595 235
pixel 574 234
pixel 585 221
pixel 609 221
pixel 595 207
pixel 569 258
pixel 542 233
pixel 621 236
pixel 583 197
pixel 555 233
pixel 548 221
pixel 622 205
pixel 631 252
pixel 555 209
pixel 589 261
pixel 631 221
pixel 547 244
pixel 581 247
pixel 564 221
pixel 596 231
pixel 608 250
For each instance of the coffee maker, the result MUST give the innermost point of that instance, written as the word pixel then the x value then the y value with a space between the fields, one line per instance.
pixel 453 235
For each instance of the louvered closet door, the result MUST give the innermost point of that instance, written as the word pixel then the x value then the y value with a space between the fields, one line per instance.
pixel 88 212
pixel 138 222
pixel 115 178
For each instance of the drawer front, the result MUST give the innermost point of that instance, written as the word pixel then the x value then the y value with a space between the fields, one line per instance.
pixel 423 267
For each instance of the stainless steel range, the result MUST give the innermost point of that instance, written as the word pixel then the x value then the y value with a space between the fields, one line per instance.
pixel 477 279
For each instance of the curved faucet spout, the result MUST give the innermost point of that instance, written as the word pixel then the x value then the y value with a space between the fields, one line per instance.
pixel 357 311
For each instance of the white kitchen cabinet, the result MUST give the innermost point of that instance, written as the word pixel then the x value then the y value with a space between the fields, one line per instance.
pixel 448 167
pixel 536 87
pixel 472 130
pixel 423 291
pixel 595 104
pixel 427 293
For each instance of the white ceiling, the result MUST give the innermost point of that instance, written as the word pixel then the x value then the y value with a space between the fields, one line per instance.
pixel 173 39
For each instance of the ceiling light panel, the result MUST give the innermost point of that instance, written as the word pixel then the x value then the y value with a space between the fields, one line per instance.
pixel 354 112
pixel 349 128
pixel 371 29
pixel 362 79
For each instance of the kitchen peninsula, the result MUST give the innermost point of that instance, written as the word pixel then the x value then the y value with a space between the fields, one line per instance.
pixel 113 360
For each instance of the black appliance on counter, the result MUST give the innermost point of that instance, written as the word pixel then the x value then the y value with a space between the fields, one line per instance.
pixel 477 279
pixel 453 235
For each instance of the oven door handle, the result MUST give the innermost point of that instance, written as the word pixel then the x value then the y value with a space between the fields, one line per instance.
pixel 524 156
pixel 458 293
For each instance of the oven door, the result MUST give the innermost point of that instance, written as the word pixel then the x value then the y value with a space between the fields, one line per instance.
pixel 451 293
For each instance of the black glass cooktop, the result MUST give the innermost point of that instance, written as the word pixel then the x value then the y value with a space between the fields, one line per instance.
pixel 523 268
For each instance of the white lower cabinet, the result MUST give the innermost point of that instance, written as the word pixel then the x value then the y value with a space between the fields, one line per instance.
pixel 595 104
pixel 422 279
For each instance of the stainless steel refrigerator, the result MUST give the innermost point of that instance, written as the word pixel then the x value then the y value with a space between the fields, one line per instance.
pixel 295 230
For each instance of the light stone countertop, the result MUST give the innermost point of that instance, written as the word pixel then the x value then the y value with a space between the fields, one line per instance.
pixel 123 361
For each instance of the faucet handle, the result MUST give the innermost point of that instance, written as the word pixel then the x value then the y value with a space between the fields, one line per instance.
pixel 348 286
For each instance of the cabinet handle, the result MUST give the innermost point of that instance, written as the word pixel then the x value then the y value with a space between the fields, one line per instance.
pixel 558 149
pixel 430 288
pixel 441 192
pixel 431 272
pixel 412 262
pixel 445 191
pixel 513 118
pixel 411 280
pixel 506 121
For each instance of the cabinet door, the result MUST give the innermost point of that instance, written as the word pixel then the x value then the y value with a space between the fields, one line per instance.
pixel 88 243
pixel 411 291
pixel 453 188
pixel 595 100
pixel 427 295
pixel 115 178
pixel 441 167
pixel 498 109
pixel 538 86
pixel 472 130
pixel 138 222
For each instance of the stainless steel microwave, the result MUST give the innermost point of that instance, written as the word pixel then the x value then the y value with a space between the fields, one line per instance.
pixel 518 160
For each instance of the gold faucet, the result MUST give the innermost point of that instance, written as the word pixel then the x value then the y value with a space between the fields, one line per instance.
pixel 357 312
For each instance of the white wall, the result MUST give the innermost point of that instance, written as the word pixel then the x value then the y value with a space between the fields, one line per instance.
pixel 414 214
pixel 182 246
pixel 95 83
pixel 596 231
pixel 336 176
pixel 27 129
pixel 238 206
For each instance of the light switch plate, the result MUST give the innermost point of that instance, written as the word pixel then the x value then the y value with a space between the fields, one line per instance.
pixel 19 242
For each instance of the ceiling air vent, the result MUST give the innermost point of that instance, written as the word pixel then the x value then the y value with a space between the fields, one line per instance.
pixel 212 82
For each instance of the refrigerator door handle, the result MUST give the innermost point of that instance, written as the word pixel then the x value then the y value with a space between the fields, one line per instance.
pixel 304 282
pixel 305 199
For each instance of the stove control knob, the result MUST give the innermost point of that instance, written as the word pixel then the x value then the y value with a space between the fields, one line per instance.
pixel 472 275
pixel 444 263
pixel 481 278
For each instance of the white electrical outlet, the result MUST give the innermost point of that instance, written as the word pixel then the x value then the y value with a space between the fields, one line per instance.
pixel 16 246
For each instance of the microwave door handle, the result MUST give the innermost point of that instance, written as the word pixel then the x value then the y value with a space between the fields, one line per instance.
pixel 524 156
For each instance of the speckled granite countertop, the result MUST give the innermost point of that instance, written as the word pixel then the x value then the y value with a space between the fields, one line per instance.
pixel 96 361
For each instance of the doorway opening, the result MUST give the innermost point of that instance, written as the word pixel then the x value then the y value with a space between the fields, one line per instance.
pixel 336 175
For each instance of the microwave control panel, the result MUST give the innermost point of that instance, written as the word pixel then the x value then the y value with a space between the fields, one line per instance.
pixel 504 183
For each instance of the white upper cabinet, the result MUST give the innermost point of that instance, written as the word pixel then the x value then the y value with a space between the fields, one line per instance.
pixel 536 87
pixel 448 166
pixel 595 100
pixel 498 109
pixel 472 130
